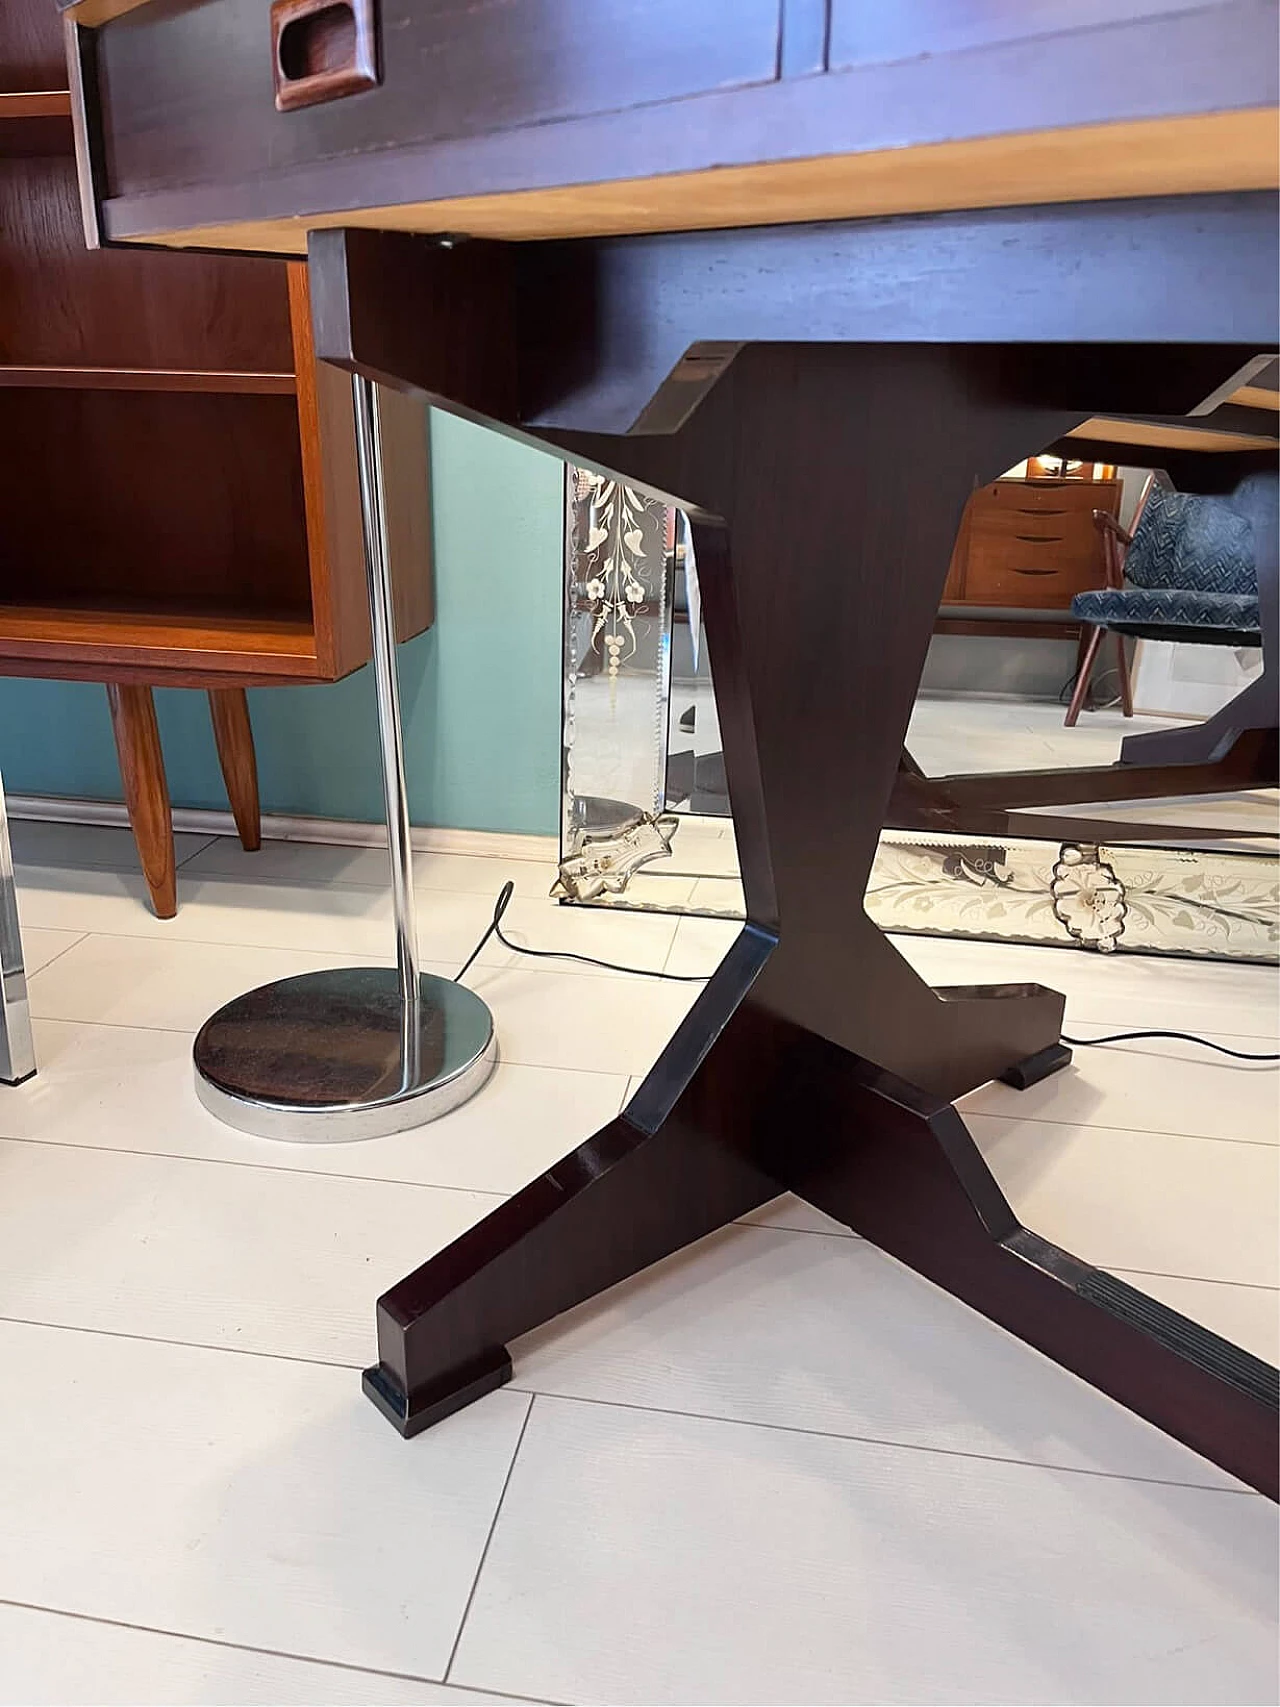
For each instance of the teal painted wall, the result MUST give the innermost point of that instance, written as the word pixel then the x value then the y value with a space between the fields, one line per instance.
pixel 480 691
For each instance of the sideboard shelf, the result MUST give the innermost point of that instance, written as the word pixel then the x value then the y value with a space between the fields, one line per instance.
pixel 46 378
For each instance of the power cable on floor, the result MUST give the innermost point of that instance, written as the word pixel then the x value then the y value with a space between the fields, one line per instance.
pixel 1180 1036
pixel 500 906
pixel 495 930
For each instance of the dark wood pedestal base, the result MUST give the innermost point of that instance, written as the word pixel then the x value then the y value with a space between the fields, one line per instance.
pixel 815 1060
pixel 1204 759
pixel 774 1107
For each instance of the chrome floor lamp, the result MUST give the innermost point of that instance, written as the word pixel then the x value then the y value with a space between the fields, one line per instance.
pixel 356 1052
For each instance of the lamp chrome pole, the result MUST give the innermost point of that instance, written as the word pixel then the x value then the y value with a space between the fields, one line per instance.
pixel 357 1052
pixel 382 634
pixel 17 1051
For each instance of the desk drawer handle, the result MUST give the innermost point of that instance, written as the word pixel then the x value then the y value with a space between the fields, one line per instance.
pixel 322 50
pixel 1035 571
pixel 1039 538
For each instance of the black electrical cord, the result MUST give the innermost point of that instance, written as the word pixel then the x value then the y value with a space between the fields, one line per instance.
pixel 495 930
pixel 1180 1036
pixel 500 906
pixel 1095 693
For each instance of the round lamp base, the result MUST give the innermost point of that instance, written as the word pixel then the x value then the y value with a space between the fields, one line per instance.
pixel 321 1059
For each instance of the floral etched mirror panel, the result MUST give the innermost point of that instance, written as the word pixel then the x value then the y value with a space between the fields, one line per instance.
pixel 645 819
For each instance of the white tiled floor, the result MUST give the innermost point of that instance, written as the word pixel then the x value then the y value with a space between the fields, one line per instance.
pixel 778 1468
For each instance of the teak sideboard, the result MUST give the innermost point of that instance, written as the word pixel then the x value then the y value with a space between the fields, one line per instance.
pixel 178 494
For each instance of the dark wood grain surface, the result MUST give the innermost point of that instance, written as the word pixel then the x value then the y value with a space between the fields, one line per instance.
pixel 168 501
pixel 619 333
pixel 679 108
pixel 63 306
pixel 816 1057
pixel 201 77
pixel 31 47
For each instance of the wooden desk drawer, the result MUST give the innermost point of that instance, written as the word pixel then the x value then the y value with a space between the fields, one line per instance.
pixel 187 90
pixel 1035 576
pixel 1047 497
pixel 1071 531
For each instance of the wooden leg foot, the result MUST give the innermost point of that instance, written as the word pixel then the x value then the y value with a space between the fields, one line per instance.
pixel 1023 1074
pixel 1126 681
pixel 146 792
pixel 1241 737
pixel 1087 656
pixel 677 1164
pixel 433 1402
pixel 233 735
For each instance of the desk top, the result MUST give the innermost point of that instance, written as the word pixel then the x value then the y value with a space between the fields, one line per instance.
pixel 532 119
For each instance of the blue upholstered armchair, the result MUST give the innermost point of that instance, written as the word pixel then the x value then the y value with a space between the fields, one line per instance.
pixel 1188 571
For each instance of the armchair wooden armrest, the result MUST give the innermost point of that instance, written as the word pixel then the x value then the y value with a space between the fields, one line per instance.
pixel 1105 522
pixel 1115 541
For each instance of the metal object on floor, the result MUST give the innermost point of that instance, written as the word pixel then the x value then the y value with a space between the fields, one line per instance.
pixel 357 1052
pixel 17 1052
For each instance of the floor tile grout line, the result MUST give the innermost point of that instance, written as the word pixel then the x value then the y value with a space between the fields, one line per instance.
pixel 846 1234
pixel 266 1653
pixel 254 1167
pixel 893 1445
pixel 65 949
pixel 501 1196
pixel 1198 1279
pixel 117 1024
pixel 615 1073
pixel 190 1345
pixel 203 848
pixel 183 1345
pixel 671 946
pixel 191 1030
pixel 131 868
pixel 1099 1126
pixel 302 882
pixel 511 963
pixel 488 1540
pixel 493 965
pixel 533 1393
pixel 431 961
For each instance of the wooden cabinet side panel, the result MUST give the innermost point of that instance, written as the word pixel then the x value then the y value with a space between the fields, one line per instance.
pixel 335 532
pixel 332 497
pixel 62 305
pixel 406 463
pixel 953 591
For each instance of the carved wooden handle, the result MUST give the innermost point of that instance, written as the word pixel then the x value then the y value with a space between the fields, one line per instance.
pixel 322 50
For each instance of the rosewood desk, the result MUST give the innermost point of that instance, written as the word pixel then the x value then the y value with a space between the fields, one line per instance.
pixel 759 258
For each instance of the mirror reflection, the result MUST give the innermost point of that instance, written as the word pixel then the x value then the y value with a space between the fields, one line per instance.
pixel 1093 612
